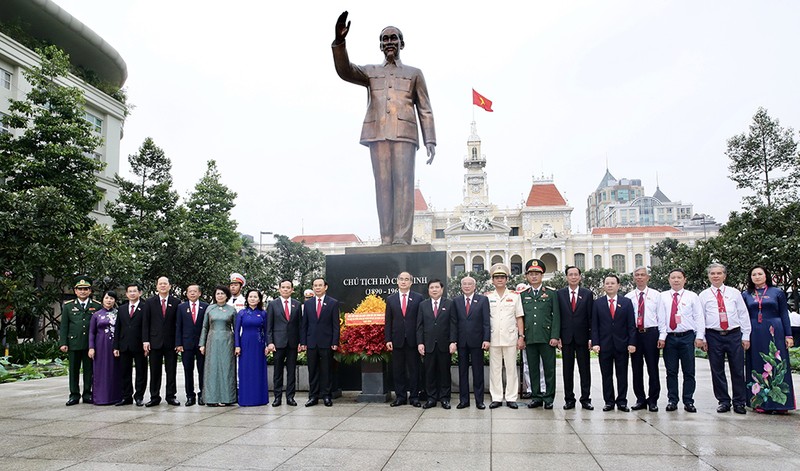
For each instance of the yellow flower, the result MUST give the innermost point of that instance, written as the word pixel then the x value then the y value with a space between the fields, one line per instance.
pixel 370 304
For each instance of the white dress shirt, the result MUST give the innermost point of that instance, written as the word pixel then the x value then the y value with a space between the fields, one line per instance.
pixel 689 310
pixel 738 316
pixel 650 306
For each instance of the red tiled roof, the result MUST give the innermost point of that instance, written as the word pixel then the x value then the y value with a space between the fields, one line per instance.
pixel 419 201
pixel 325 238
pixel 633 230
pixel 545 195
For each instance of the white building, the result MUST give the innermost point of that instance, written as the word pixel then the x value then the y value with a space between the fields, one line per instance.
pixel 43 20
pixel 477 233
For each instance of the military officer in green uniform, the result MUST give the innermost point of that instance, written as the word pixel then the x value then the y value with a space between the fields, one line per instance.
pixel 74 338
pixel 542 332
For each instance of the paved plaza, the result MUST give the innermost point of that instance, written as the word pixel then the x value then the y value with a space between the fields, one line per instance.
pixel 40 433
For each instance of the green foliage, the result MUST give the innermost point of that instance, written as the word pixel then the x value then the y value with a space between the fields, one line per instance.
pixel 34 369
pixel 209 210
pixel 764 160
pixel 50 187
pixel 593 280
pixel 794 359
pixel 293 261
pixel 108 258
pixel 483 282
pixel 669 254
pixel 27 352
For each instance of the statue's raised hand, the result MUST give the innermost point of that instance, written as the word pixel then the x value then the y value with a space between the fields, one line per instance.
pixel 342 27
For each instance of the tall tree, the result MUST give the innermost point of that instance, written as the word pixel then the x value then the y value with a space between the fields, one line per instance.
pixel 670 254
pixel 146 212
pixel 294 261
pixel 49 184
pixel 765 161
pixel 209 210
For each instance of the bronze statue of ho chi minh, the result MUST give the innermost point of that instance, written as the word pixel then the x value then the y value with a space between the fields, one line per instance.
pixel 390 127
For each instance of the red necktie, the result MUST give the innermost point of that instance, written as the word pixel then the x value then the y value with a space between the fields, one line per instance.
pixel 404 305
pixel 673 323
pixel 319 307
pixel 194 313
pixel 574 302
pixel 640 316
pixel 435 309
pixel 133 308
pixel 468 303
pixel 286 308
pixel 723 313
pixel 163 308
pixel 611 307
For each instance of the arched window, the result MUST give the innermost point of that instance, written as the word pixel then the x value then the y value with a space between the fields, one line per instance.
pixel 598 261
pixel 618 263
pixel 580 261
pixel 639 260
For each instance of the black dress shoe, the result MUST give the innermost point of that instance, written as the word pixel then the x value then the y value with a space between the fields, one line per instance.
pixel 72 402
pixel 327 401
pixel 173 402
pixel 139 402
pixel 569 405
pixel 190 402
pixel 495 404
pixel 690 408
pixel 88 400
pixel 624 408
pixel 608 407
pixel 587 405
pixel 277 402
pixel 428 404
pixel 526 395
pixel 512 405
pixel 535 404
pixel 291 402
pixel 548 405
pixel 446 405
pixel 480 406
pixel 312 402
pixel 152 402
pixel 652 408
pixel 124 402
pixel 672 407
pixel 639 406
pixel 398 402
pixel 200 401
pixel 415 403
pixel 740 409
pixel 462 405
pixel 722 408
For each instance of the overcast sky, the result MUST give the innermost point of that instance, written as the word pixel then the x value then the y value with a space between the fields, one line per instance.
pixel 654 88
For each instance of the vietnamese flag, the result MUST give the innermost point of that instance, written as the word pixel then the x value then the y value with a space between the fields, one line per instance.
pixel 482 101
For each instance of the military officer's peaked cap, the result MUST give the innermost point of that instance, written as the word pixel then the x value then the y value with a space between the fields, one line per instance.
pixel 535 264
pixel 82 281
pixel 499 269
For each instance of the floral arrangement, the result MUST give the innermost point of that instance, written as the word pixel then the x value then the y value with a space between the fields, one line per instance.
pixel 770 385
pixel 363 342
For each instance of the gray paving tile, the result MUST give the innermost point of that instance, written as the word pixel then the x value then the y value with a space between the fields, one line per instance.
pixel 101 466
pixel 746 463
pixel 383 410
pixel 237 420
pixel 444 460
pixel 272 436
pixel 75 449
pixel 63 428
pixel 616 427
pixel 14 443
pixel 202 434
pixel 634 445
pixel 35 464
pixel 242 457
pixel 434 441
pixel 129 431
pixel 370 440
pixel 688 427
pixel 540 443
pixel 10 424
pixel 155 452
pixel 531 426
pixel 330 458
pixel 719 445
pixel 397 424
pixel 650 461
pixel 453 425
pixel 544 461
pixel 306 422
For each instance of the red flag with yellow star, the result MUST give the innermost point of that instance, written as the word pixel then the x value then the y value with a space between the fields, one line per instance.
pixel 481 101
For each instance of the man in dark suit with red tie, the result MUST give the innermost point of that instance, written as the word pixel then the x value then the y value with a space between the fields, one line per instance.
pixel 319 336
pixel 283 338
pixel 400 331
pixel 158 337
pixel 436 338
pixel 575 305
pixel 128 346
pixel 473 334
pixel 189 325
pixel 613 338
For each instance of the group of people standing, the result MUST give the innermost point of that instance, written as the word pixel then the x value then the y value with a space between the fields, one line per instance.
pixel 748 330
pixel 109 341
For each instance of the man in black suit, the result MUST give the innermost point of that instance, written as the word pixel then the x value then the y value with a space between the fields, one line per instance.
pixel 158 337
pixel 473 334
pixel 400 331
pixel 575 304
pixel 319 336
pixel 187 341
pixel 613 338
pixel 283 338
pixel 128 345
pixel 437 332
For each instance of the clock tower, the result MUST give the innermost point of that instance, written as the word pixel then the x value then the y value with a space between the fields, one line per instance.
pixel 476 188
